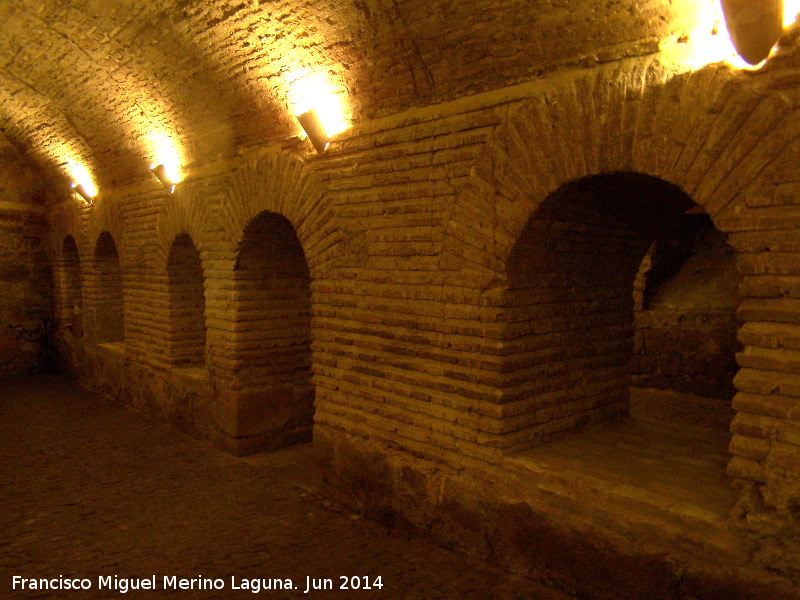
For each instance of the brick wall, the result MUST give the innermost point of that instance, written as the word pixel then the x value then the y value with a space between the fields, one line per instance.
pixel 69 287
pixel 105 292
pixel 25 284
pixel 686 325
pixel 187 305
pixel 270 356
pixel 413 227
pixel 215 76
pixel 568 310
pixel 692 352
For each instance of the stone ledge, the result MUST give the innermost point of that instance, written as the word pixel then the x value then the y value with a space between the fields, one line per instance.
pixel 513 517
pixel 113 348
pixel 195 374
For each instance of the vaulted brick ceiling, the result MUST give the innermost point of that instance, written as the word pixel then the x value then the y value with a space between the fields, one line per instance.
pixel 98 79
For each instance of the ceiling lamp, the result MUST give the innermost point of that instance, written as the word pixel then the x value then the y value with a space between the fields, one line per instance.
pixel 78 187
pixel 314 130
pixel 754 26
pixel 166 180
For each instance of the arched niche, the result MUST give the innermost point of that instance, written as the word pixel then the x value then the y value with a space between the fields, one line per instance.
pixel 569 319
pixel 272 345
pixel 185 289
pixel 69 282
pixel 108 292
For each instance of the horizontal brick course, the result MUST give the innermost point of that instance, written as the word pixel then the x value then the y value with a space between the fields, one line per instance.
pixel 451 302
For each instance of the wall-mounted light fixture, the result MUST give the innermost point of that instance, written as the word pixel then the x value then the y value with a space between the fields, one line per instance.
pixel 81 179
pixel 166 180
pixel 791 11
pixel 78 187
pixel 314 130
pixel 743 33
pixel 754 27
pixel 318 103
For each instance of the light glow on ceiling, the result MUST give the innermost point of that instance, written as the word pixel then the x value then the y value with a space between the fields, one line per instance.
pixel 164 151
pixel 80 176
pixel 309 90
pixel 791 8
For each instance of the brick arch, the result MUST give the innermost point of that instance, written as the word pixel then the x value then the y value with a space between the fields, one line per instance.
pixel 216 212
pixel 187 211
pixel 106 216
pixel 280 183
pixel 566 326
pixel 722 137
pixel 272 303
pixel 106 280
pixel 68 222
pixel 267 354
pixel 219 210
pixel 711 133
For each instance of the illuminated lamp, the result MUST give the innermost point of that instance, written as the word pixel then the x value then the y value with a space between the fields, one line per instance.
pixel 78 187
pixel 754 26
pixel 160 172
pixel 314 130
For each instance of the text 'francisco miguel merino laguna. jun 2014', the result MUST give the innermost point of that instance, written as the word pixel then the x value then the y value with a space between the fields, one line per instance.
pixel 172 582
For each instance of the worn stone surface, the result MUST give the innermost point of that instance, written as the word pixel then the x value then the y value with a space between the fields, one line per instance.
pixel 592 516
pixel 92 489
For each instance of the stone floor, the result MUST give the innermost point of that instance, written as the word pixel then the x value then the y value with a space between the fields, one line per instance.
pixel 90 489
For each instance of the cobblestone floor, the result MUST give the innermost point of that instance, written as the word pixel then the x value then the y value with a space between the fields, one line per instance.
pixel 90 489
